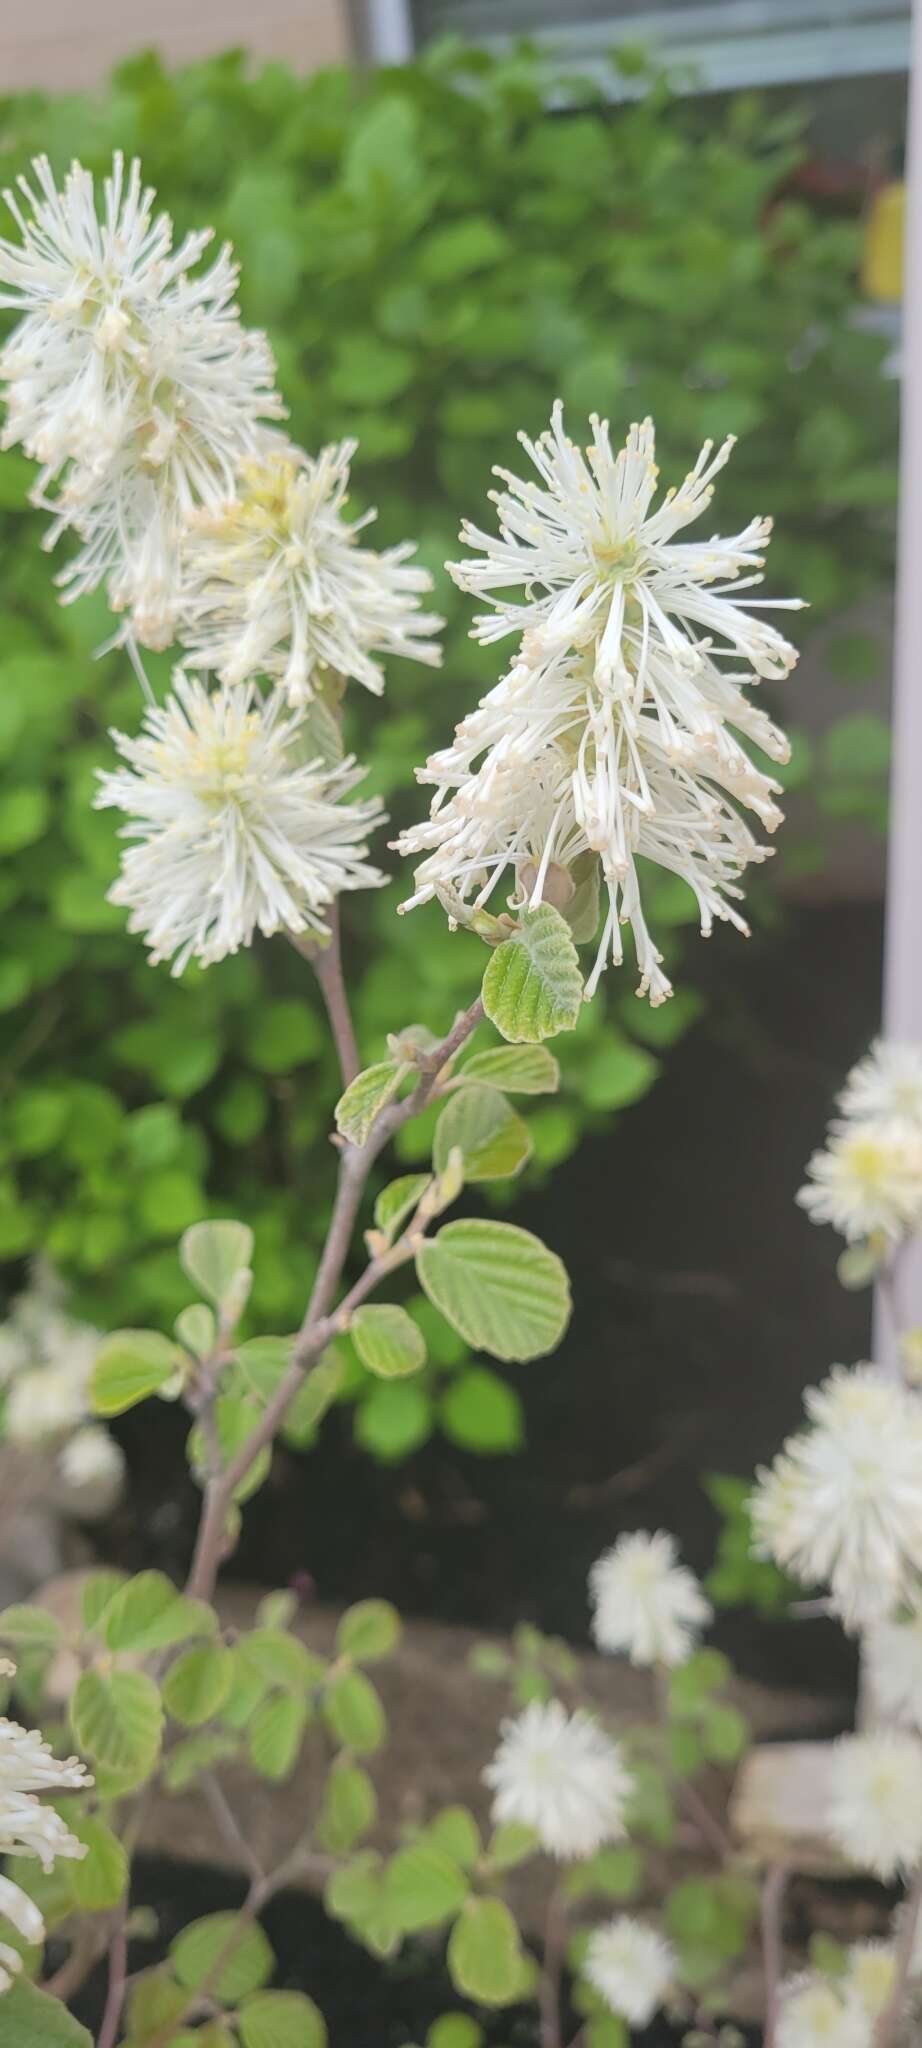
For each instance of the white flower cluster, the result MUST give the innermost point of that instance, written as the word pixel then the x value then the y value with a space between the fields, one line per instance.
pixel 132 380
pixel 842 1503
pixel 646 1605
pixel 614 737
pixel 46 1360
pixel 560 1774
pixel 876 1801
pixel 235 827
pixel 129 377
pixel 867 1179
pixel 817 2012
pixel 632 1966
pixel 27 1828
pixel 277 585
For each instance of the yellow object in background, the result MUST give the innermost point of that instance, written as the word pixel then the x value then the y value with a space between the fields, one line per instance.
pixel 882 257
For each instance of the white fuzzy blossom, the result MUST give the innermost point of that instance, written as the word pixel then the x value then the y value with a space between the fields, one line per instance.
pixel 875 1801
pixel 867 1180
pixel 632 1966
pixel 885 1086
pixel 813 2013
pixel 842 1503
pixel 614 737
pixel 91 1466
pixel 236 824
pixel 27 1828
pixel 560 1774
pixel 646 1605
pixel 870 1976
pixel 893 1655
pixel 46 1361
pixel 277 583
pixel 129 378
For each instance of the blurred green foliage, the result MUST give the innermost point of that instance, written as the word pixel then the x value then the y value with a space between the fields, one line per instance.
pixel 436 257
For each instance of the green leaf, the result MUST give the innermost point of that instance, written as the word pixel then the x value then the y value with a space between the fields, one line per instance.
pixel 365 1098
pixel 30 1628
pixel 498 1285
pixel 217 1258
pixel 387 1340
pixel 533 987
pixel 859 1265
pixel 395 1419
pixel 350 1807
pixel 197 1684
pixel 275 1734
pixel 197 1753
pixel 281 2019
pixel 99 1588
pixel 354 1712
pixel 148 1614
pixel 479 1412
pixel 425 1887
pixel 31 2019
pixel 368 1631
pixel 493 1141
pixel 196 1328
pixel 116 1718
pixel 615 1873
pixel 456 1833
pixel 617 1075
pixel 518 1070
pixel 724 1734
pixel 484 1953
pixel 154 2001
pixel 280 1659
pixel 357 1894
pixel 510 1844
pixel 398 1200
pixel 130 1365
pixel 100 1879
pixel 198 1956
pixel 454 2030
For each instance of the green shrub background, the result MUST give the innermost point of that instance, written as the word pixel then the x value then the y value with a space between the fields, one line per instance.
pixel 435 256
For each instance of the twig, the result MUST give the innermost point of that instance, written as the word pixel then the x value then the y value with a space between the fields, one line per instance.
pixel 894 2010
pixel 773 1891
pixel 118 1977
pixel 226 1820
pixel 319 1325
pixel 706 1822
pixel 326 962
pixel 555 1930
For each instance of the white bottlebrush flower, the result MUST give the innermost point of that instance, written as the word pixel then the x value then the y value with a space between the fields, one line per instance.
pixel 842 1503
pixel 875 1801
pixel 236 826
pixel 27 1828
pixel 632 1967
pixel 92 1469
pixel 893 1652
pixel 867 1180
pixel 885 1086
pixel 560 1774
pixel 128 377
pixel 646 1605
pixel 870 1977
pixel 616 732
pixel 279 585
pixel 46 1360
pixel 816 2014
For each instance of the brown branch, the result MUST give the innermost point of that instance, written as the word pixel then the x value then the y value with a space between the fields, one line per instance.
pixel 118 1978
pixel 319 1324
pixel 773 1891
pixel 326 962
